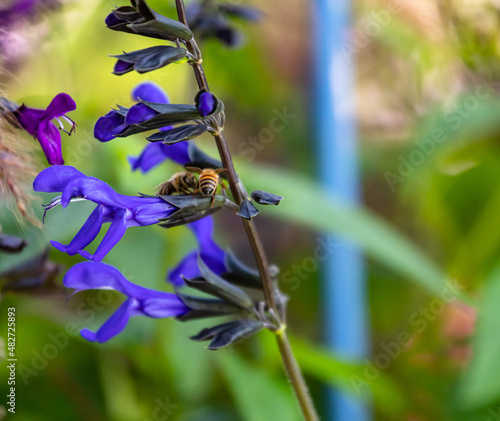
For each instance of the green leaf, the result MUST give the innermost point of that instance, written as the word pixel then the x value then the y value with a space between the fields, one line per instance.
pixel 480 385
pixel 259 396
pixel 192 380
pixel 119 388
pixel 306 203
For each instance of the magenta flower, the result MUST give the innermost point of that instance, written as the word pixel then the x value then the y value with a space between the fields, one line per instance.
pixel 140 301
pixel 122 211
pixel 38 123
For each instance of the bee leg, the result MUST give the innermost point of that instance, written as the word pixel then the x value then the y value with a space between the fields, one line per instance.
pixel 213 200
pixel 223 188
pixel 196 191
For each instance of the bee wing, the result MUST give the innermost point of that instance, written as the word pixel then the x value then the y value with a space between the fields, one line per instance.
pixel 194 169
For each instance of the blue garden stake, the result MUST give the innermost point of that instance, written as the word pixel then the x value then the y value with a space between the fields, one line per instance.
pixel 344 283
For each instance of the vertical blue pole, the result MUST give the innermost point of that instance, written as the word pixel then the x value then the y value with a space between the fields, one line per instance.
pixel 344 283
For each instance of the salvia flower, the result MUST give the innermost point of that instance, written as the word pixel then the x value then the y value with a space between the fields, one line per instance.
pixel 140 301
pixel 116 121
pixel 121 211
pixel 38 123
pixel 211 254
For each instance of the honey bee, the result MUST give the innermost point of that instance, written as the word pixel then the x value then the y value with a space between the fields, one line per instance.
pixel 208 181
pixel 181 182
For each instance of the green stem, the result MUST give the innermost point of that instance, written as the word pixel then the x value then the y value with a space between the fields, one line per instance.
pixel 290 363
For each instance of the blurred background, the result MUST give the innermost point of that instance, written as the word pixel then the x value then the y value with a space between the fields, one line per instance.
pixel 428 116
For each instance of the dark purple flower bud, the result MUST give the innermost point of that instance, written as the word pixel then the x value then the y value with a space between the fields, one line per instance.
pixel 211 20
pixel 211 254
pixel 148 59
pixel 206 103
pixel 140 301
pixel 142 20
pixel 11 244
pixel 38 123
pixel 250 14
pixel 229 36
pixel 36 275
pixel 122 67
pixel 121 211
pixel 266 198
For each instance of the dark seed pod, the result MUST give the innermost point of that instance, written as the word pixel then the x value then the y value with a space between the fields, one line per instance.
pixel 140 19
pixel 265 198
pixel 148 59
pixel 248 210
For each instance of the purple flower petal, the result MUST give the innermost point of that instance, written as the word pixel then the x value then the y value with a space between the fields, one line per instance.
pixel 113 326
pixel 188 267
pixel 29 118
pixel 90 275
pixel 141 301
pixel 112 20
pixel 85 236
pixel 50 140
pixel 115 233
pixel 60 105
pixel 139 113
pixel 155 153
pixel 55 179
pixel 107 127
pixel 151 92
pixel 91 189
pixel 122 67
pixel 210 252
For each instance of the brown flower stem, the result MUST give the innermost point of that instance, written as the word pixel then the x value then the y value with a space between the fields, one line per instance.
pixel 290 363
